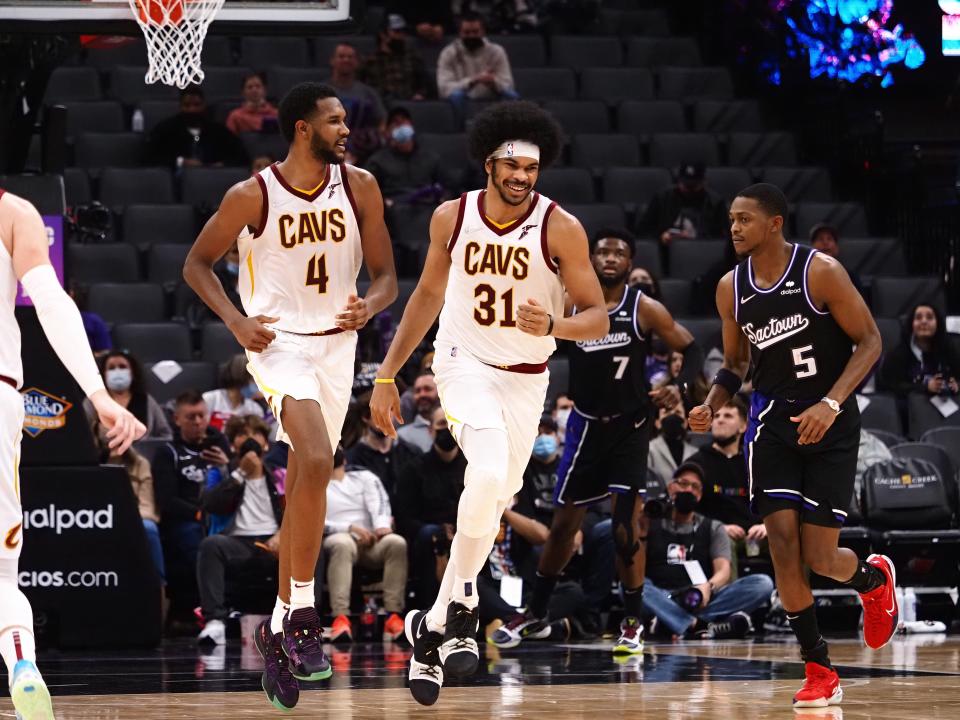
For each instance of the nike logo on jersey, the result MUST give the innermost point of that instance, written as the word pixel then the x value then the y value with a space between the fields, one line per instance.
pixel 332 189
pixel 747 299
pixel 612 340
pixel 776 329
pixel 639 424
pixel 525 230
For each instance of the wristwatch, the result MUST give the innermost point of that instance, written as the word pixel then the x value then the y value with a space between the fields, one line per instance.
pixel 831 403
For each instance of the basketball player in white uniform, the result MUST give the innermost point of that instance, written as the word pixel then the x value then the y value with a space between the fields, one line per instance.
pixel 498 264
pixel 304 226
pixel 24 257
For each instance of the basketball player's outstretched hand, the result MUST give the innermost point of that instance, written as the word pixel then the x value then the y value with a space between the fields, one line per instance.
pixel 533 318
pixel 122 427
pixel 700 418
pixel 666 397
pixel 355 315
pixel 252 332
pixel 814 423
pixel 385 407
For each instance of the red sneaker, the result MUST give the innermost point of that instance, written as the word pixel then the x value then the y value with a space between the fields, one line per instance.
pixel 393 628
pixel 342 630
pixel 820 689
pixel 881 612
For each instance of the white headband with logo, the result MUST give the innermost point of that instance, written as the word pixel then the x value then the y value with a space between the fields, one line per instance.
pixel 516 148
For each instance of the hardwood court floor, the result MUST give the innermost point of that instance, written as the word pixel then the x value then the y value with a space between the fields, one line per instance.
pixel 913 677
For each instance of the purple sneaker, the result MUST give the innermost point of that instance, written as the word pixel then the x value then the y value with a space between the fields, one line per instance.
pixel 282 689
pixel 302 640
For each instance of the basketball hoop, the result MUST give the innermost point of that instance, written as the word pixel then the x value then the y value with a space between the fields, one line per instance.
pixel 175 30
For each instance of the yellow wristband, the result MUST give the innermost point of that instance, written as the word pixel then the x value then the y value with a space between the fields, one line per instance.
pixel 384 381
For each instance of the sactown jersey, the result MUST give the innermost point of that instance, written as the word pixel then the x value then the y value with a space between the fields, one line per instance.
pixel 10 364
pixel 301 264
pixel 494 271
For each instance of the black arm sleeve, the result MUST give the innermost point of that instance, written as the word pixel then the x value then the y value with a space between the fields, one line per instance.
pixel 692 364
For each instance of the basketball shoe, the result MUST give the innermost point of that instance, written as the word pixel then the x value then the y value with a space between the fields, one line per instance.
pixel 458 652
pixel 29 693
pixel 302 638
pixel 820 689
pixel 342 629
pixel 281 687
pixel 393 628
pixel 881 611
pixel 518 628
pixel 426 670
pixel 631 637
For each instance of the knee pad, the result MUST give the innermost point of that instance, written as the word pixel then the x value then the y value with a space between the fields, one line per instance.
pixel 17 612
pixel 625 539
pixel 477 513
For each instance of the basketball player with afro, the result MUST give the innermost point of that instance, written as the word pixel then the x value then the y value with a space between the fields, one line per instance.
pixel 499 262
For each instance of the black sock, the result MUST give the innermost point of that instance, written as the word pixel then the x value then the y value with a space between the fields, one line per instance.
pixel 633 601
pixel 866 578
pixel 542 590
pixel 812 645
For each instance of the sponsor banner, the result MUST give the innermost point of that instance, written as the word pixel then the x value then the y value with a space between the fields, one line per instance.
pixel 54 226
pixel 43 411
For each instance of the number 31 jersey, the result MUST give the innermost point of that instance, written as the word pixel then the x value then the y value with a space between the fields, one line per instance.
pixel 301 263
pixel 797 350
pixel 494 271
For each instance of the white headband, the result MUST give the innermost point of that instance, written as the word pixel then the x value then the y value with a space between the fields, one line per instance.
pixel 516 148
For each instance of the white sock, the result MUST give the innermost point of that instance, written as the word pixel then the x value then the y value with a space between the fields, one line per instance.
pixel 16 617
pixel 301 594
pixel 279 613
pixel 465 591
pixel 437 617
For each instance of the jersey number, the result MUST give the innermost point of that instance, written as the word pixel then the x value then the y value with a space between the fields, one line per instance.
pixel 486 312
pixel 806 366
pixel 622 362
pixel 317 273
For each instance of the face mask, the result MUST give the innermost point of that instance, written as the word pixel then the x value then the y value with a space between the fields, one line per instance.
pixel 119 379
pixel 249 390
pixel 562 417
pixel 402 133
pixel 472 44
pixel 376 432
pixel 445 440
pixel 233 268
pixel 398 46
pixel 685 502
pixel 545 447
pixel 672 427
pixel 727 441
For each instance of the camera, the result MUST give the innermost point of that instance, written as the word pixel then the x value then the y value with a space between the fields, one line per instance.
pixel 689 598
pixel 658 507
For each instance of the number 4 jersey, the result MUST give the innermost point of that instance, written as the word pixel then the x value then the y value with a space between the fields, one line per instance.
pixel 301 263
pixel 797 350
pixel 494 271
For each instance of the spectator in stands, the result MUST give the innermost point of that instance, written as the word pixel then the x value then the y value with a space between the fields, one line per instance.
pixel 245 505
pixel 510 16
pixel 430 20
pixel 227 271
pixel 235 397
pixel 826 239
pixel 924 361
pixel 396 69
pixel 419 432
pixel 141 482
pixel 645 281
pixel 405 171
pixel 670 447
pixel 256 114
pixel 261 162
pixel 473 68
pixel 98 332
pixel 562 406
pixel 366 114
pixel 427 493
pixel 123 377
pixel 191 139
pixel 687 210
pixel 419 363
pixel 689 603
pixel 383 456
pixel 180 474
pixel 693 394
pixel 359 531
pixel 726 492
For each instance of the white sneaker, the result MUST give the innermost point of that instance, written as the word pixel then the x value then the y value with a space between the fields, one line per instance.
pixel 213 633
pixel 426 670
pixel 29 693
pixel 631 637
pixel 519 628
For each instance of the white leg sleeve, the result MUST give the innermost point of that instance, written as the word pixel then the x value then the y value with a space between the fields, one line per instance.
pixel 16 619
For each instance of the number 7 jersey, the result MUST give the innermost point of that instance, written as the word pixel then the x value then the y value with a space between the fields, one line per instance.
pixel 494 271
pixel 301 263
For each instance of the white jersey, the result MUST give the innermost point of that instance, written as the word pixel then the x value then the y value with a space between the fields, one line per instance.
pixel 10 364
pixel 301 263
pixel 494 271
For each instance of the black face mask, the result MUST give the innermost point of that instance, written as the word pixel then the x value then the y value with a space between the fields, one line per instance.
pixel 376 432
pixel 685 502
pixel 672 428
pixel 445 440
pixel 472 44
pixel 397 46
pixel 727 441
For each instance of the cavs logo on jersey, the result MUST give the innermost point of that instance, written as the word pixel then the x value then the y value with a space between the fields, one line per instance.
pixel 12 539
pixel 494 259
pixel 312 227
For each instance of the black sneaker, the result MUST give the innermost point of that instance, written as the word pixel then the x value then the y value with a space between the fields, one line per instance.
pixel 734 627
pixel 426 670
pixel 519 628
pixel 458 652
pixel 281 687
pixel 302 639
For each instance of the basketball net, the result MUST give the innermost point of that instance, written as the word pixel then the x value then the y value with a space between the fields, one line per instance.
pixel 174 30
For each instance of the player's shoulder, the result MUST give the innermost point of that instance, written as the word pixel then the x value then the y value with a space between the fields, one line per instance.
pixel 357 175
pixel 561 221
pixel 448 210
pixel 245 190
pixel 16 205
pixel 823 263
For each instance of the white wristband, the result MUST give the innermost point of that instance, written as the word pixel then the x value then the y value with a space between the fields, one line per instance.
pixel 63 326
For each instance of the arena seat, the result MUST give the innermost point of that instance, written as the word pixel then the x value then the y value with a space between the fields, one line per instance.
pixel 706 331
pixel 324 45
pixel 434 116
pixel 451 147
pixel 104 116
pixel 895 296
pixel 559 368
pixel 76 184
pixel 216 51
pixel 689 259
pixel 153 342
pixel 580 116
pixel 571 50
pixel 165 263
pixel 887 438
pixel 647 256
pixel 614 85
pixel 566 185
pixel 669 150
pixel 848 218
pixel 881 414
pixel 690 85
pixel 260 52
pixel 890 330
pixel 545 83
pixel 70 84
pixel 206 186
pixel 754 149
pixel 132 52
pixel 644 118
pixel 936 455
pixel 923 416
pixel 677 295
pixel 801 184
pixel 127 85
pixel 107 262
pixel 598 151
pixel 145 225
pixel 217 343
pixel 200 376
pixel 948 439
pixel 651 52
pixel 634 187
pixel 223 83
pixel 125 186
pixel 874 256
pixel 719 116
pixel 727 181
pixel 98 150
pixel 271 144
pixel 630 22
pixel 127 303
pixel 594 216
pixel 281 78
pixel 155 111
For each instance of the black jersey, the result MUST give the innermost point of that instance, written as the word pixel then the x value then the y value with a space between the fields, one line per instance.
pixel 607 376
pixel 797 350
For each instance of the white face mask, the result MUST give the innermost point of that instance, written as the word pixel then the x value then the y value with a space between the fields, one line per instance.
pixel 562 417
pixel 119 379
